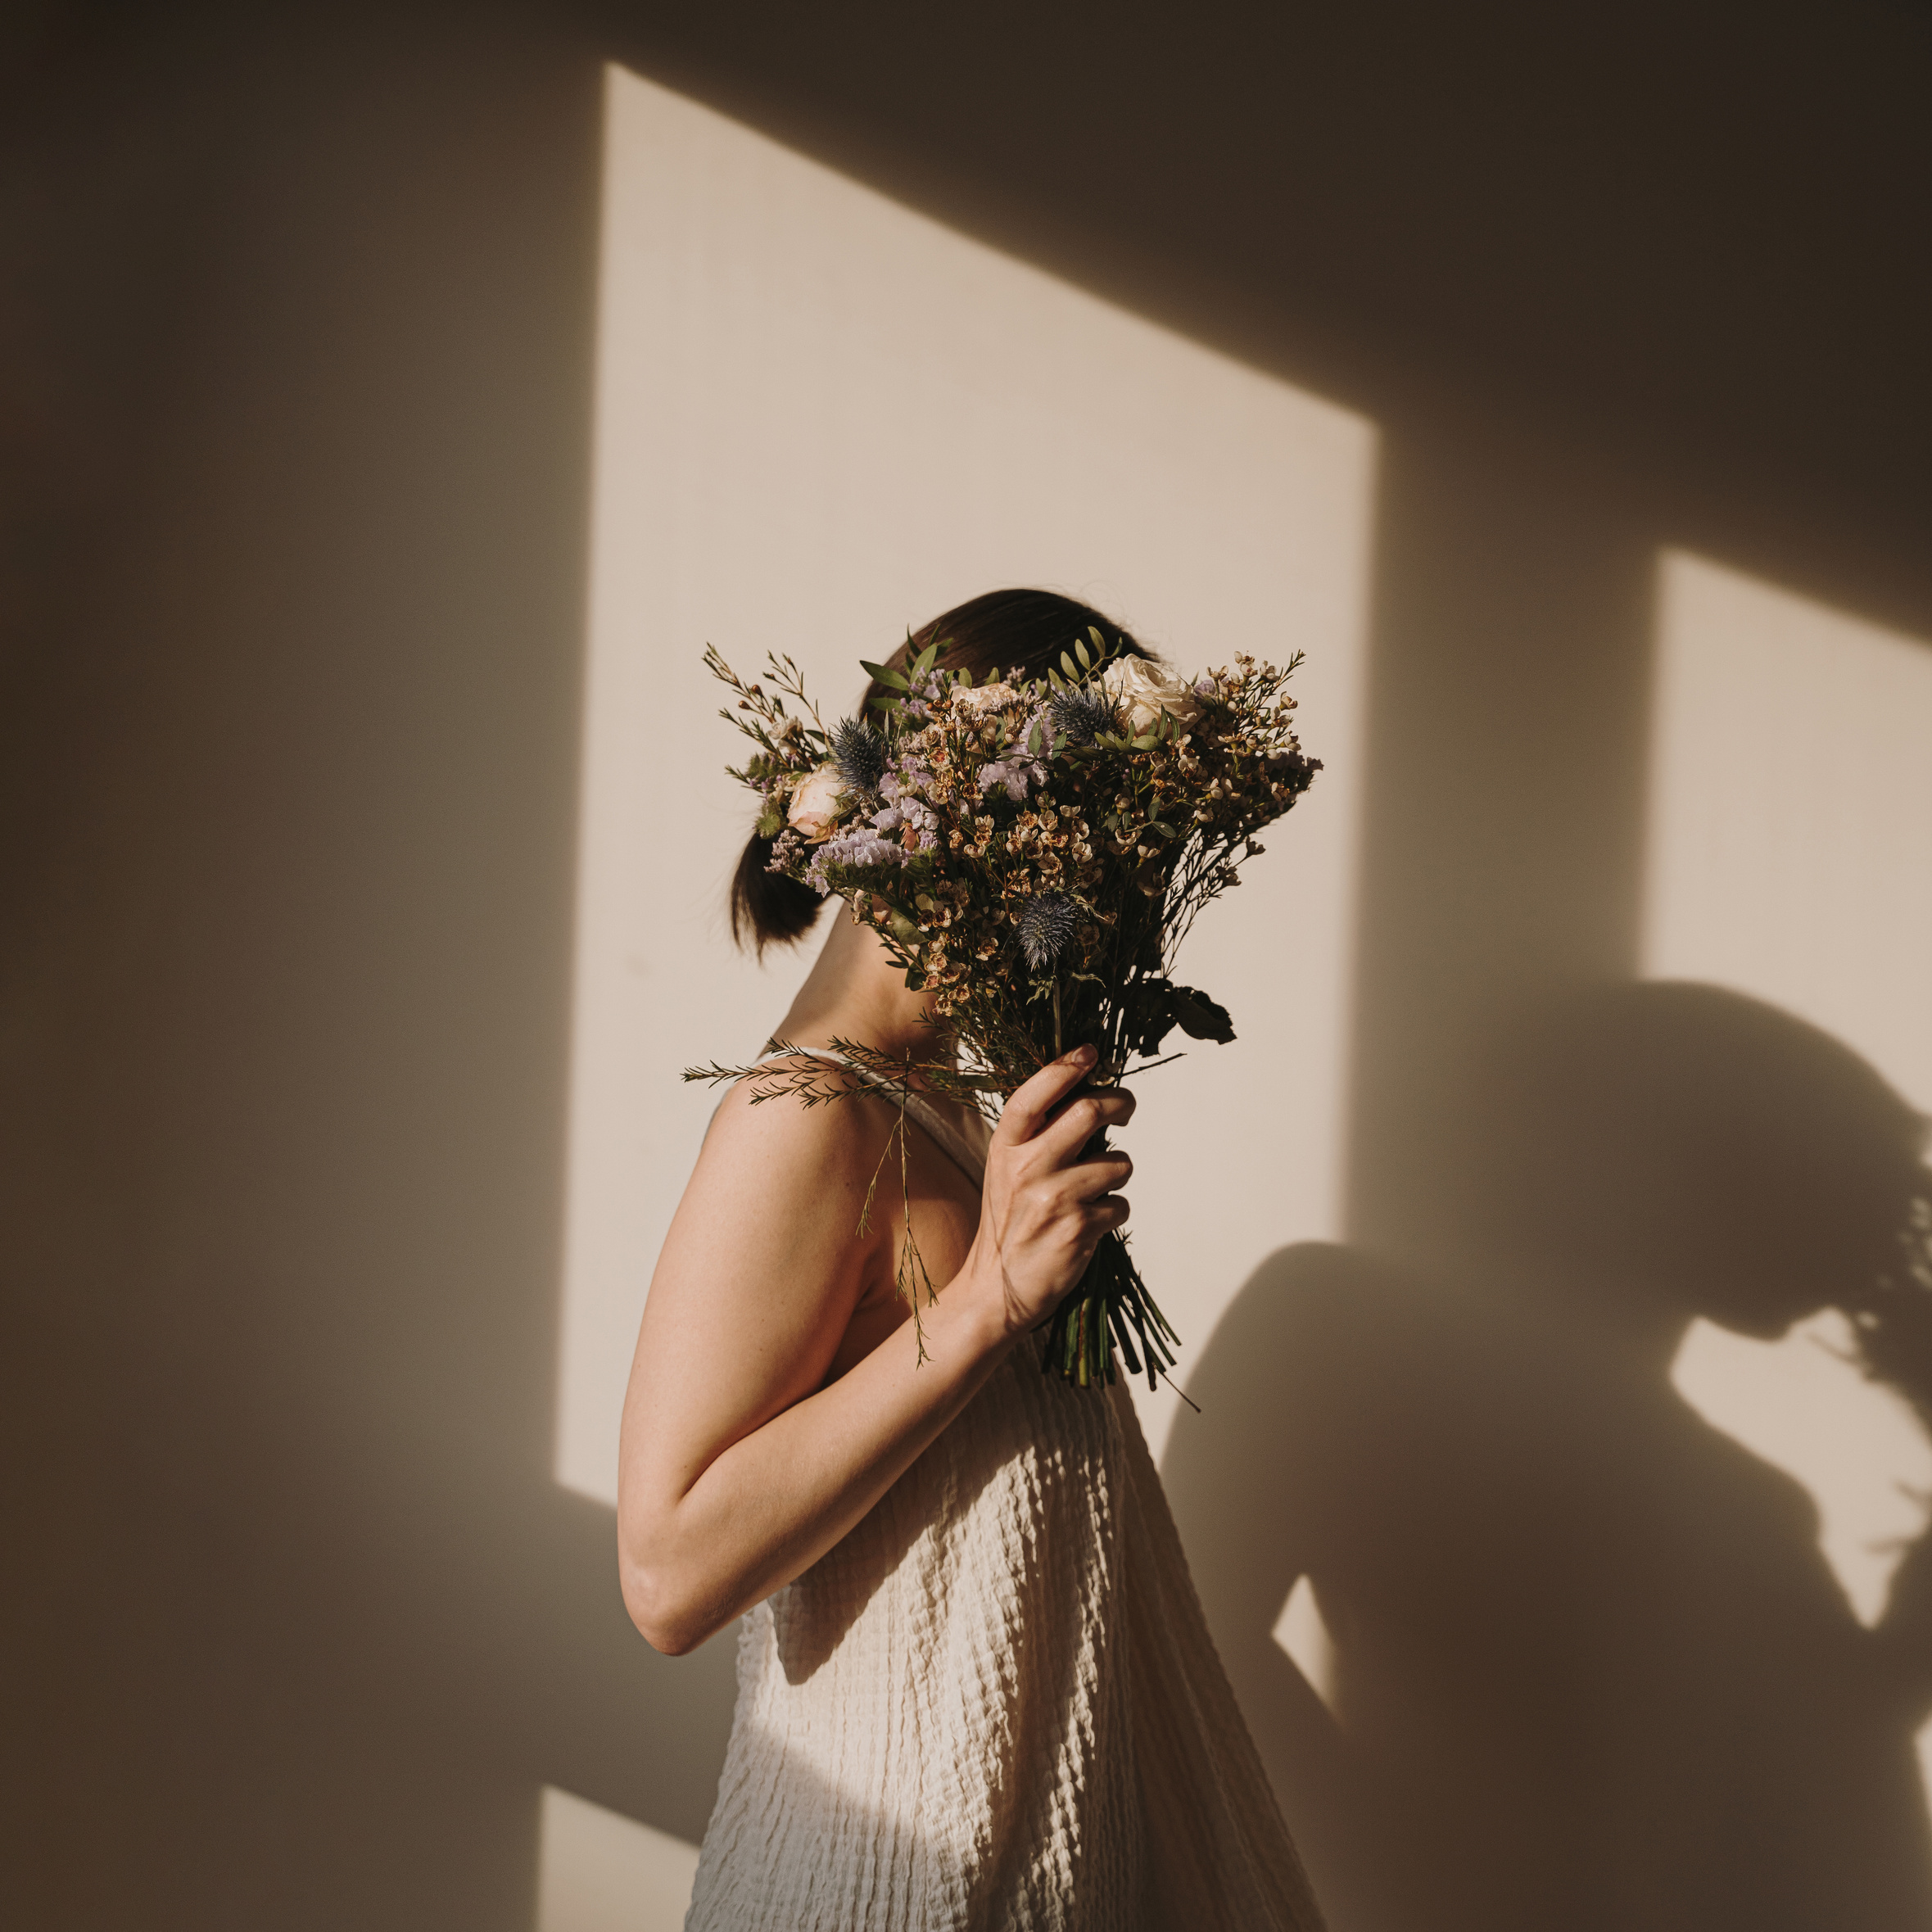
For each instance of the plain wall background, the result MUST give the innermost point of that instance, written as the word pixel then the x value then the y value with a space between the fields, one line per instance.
pixel 295 355
pixel 821 419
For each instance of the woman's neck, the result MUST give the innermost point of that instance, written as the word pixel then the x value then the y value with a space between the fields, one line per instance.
pixel 855 991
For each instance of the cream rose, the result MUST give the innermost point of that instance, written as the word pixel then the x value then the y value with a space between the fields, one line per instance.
pixel 814 808
pixel 1145 691
pixel 982 697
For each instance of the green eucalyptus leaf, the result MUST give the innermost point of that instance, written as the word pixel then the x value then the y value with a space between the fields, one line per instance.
pixel 883 674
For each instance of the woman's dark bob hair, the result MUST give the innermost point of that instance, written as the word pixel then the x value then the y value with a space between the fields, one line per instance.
pixel 1017 633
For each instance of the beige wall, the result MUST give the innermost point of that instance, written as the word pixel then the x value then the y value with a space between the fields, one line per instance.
pixel 302 377
pixel 821 420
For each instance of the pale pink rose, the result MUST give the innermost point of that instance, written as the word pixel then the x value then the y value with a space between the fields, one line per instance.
pixel 1144 691
pixel 814 808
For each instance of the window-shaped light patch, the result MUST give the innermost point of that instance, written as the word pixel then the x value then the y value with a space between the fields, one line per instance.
pixel 822 419
pixel 1790 858
pixel 598 1871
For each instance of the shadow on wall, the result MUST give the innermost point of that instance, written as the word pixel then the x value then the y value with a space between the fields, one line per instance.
pixel 1589 1668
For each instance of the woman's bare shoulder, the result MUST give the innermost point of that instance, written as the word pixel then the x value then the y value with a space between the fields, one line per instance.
pixel 768 1123
pixel 777 1214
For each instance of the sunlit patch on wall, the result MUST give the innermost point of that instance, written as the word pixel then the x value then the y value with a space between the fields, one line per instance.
pixel 1302 1631
pixel 819 419
pixel 1800 1405
pixel 598 1871
pixel 1790 850
pixel 1790 858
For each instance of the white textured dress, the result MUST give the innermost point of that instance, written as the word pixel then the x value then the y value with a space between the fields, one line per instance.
pixel 994 1706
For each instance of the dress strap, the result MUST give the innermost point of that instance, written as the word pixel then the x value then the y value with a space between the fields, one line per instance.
pixel 937 1127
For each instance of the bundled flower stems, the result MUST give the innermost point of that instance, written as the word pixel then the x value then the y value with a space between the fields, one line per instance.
pixel 1032 853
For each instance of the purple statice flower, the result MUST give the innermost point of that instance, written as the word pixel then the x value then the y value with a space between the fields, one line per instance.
pixel 1015 771
pixel 908 778
pixel 860 848
pixel 919 698
pixel 1017 768
pixel 900 789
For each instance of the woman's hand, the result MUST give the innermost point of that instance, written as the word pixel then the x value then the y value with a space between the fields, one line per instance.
pixel 1044 1208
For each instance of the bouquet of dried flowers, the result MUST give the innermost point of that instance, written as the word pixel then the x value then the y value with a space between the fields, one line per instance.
pixel 1032 852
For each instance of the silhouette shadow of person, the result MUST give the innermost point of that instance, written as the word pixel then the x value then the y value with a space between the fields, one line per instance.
pixel 1588 1666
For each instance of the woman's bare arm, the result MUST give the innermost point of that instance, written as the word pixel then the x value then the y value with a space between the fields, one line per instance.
pixel 738 1470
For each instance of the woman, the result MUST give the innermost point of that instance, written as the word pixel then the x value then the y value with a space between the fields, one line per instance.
pixel 975 1686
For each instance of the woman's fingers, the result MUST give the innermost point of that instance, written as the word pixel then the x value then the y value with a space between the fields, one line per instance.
pixel 1026 1112
pixel 1046 1208
pixel 1073 1214
pixel 1087 1222
pixel 1105 1173
pixel 1076 1122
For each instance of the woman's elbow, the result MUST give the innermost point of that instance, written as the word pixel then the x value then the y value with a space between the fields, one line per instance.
pixel 666 1617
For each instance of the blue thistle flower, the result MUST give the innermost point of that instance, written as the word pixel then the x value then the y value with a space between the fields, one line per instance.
pixel 1046 927
pixel 1080 713
pixel 859 752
